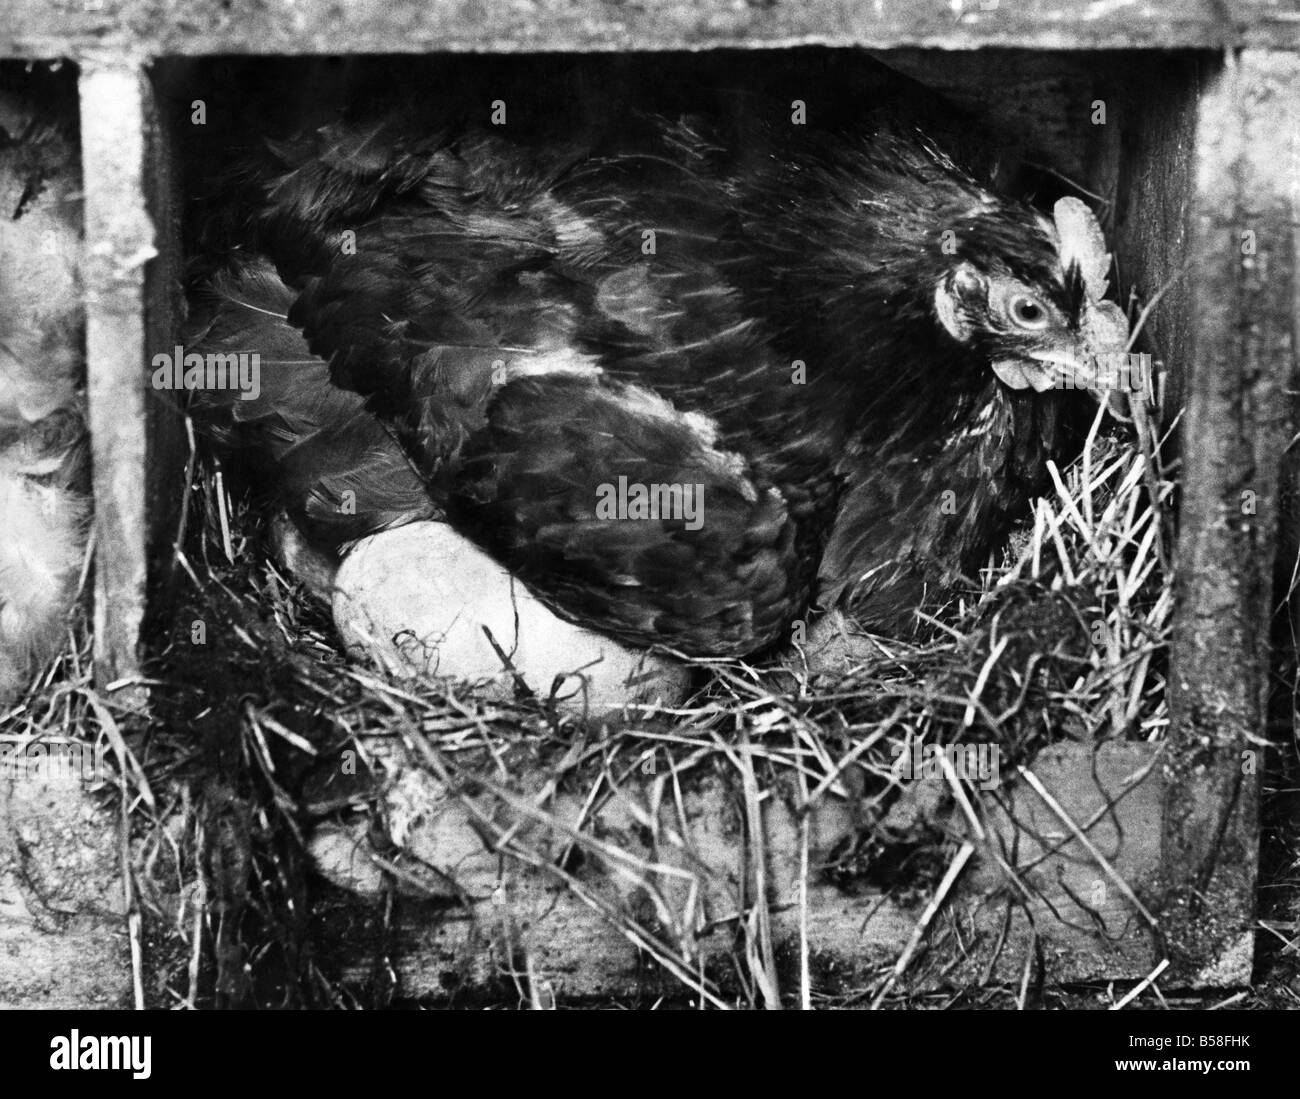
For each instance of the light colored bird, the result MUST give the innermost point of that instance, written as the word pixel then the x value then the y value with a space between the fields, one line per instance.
pixel 44 456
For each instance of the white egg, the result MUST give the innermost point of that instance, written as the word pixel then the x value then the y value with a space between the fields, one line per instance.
pixel 422 600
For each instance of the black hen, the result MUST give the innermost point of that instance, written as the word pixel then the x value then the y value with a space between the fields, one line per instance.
pixel 852 346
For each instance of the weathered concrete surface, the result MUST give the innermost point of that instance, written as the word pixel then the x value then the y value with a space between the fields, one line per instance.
pixel 63 941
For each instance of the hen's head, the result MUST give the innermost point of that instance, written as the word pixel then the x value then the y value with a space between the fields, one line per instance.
pixel 1031 302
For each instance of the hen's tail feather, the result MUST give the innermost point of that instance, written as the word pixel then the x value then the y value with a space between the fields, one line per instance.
pixel 336 468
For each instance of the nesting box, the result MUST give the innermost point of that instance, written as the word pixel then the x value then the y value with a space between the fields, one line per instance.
pixel 1185 121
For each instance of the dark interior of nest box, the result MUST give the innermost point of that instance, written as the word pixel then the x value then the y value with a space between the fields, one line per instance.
pixel 1115 128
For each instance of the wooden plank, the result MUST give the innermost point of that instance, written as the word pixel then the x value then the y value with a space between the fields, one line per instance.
pixel 119 243
pixel 1151 115
pixel 38 28
pixel 166 448
pixel 519 918
pixel 1236 428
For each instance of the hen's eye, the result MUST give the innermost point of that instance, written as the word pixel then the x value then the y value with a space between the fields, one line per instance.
pixel 1027 312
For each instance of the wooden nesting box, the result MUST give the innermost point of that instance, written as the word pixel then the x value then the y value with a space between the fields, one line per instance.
pixel 1197 141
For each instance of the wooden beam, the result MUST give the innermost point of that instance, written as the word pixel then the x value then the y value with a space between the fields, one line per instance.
pixel 37 28
pixel 1235 431
pixel 119 243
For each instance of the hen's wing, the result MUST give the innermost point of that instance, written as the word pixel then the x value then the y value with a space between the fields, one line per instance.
pixel 543 486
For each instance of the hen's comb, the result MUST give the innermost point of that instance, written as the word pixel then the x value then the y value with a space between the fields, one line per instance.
pixel 1082 242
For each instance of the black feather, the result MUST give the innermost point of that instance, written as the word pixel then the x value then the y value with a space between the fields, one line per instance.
pixel 497 308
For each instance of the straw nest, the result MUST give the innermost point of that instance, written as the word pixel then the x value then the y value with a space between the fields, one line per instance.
pixel 267 758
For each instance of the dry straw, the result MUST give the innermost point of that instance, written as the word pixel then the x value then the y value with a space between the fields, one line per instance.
pixel 1064 637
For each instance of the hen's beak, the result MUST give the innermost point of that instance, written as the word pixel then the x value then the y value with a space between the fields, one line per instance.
pixel 1071 368
pixel 1058 368
pixel 1085 363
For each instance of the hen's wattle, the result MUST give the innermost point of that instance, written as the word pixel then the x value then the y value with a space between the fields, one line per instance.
pixel 846 349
